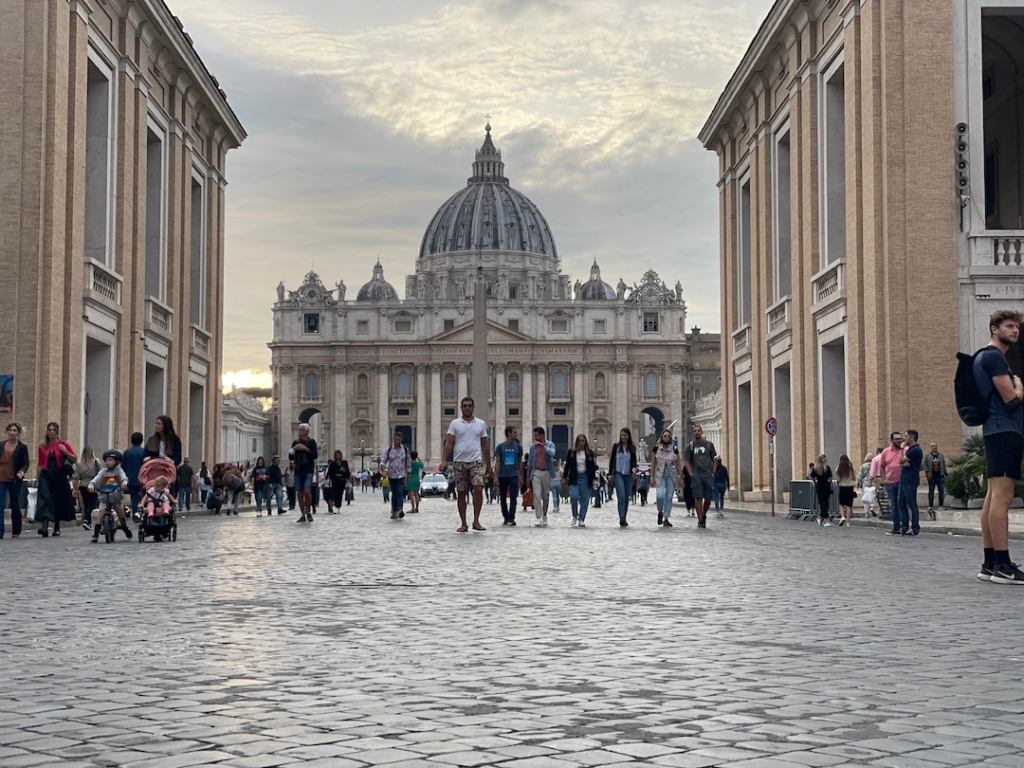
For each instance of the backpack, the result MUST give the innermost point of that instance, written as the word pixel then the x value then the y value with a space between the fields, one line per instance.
pixel 971 405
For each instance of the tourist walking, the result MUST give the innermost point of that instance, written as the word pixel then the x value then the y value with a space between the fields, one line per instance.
pixel 509 458
pixel 580 473
pixel 889 466
pixel 868 492
pixel 395 465
pixel 412 482
pixel 665 472
pixel 821 476
pixel 622 470
pixel 385 488
pixel 339 475
pixel 56 459
pixel 289 485
pixel 164 442
pixel 14 462
pixel 131 463
pixel 304 451
pixel 466 443
pixel 720 484
pixel 643 486
pixel 538 474
pixel 700 457
pixel 556 483
pixel 1002 392
pixel 910 480
pixel 276 478
pixel 846 480
pixel 259 481
pixel 85 470
pixel 935 474
pixel 186 476
pixel 205 483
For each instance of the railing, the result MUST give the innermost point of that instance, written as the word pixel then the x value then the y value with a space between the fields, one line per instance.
pixel 778 317
pixel 829 284
pixel 741 341
pixel 1008 250
pixel 402 398
pixel 158 316
pixel 102 282
pixel 200 341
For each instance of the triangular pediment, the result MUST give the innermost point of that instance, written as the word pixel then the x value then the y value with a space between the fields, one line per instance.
pixel 496 334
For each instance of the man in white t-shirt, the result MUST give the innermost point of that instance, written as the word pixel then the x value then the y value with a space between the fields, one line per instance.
pixel 466 444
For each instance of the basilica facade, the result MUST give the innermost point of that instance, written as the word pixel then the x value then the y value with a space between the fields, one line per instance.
pixel 573 357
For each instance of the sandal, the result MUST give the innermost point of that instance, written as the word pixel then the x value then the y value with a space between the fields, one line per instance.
pixel 478 527
pixel 462 529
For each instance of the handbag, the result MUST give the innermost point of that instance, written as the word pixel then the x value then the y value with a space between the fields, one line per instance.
pixel 528 497
pixel 869 495
pixel 349 494
pixel 31 504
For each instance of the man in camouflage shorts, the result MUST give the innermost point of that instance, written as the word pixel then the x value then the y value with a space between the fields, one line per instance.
pixel 466 443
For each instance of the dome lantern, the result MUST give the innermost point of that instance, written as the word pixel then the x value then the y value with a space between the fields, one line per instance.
pixel 488 165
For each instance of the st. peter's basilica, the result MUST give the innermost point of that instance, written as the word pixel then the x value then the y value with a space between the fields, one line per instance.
pixel 573 357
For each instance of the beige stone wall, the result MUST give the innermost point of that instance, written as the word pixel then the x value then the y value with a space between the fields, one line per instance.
pixel 43 190
pixel 900 259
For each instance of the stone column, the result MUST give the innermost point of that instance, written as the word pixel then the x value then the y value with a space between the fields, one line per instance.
pixel 285 409
pixel 463 384
pixel 422 433
pixel 621 396
pixel 340 417
pixel 579 405
pixel 383 439
pixel 500 409
pixel 676 406
pixel 432 447
pixel 542 396
pixel 526 388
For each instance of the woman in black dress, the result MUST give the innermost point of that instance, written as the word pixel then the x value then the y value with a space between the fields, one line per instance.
pixel 821 474
pixel 56 465
pixel 338 473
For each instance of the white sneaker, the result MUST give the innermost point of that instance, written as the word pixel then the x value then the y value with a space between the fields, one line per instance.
pixel 544 521
pixel 573 523
pixel 720 515
pixel 581 525
pixel 827 524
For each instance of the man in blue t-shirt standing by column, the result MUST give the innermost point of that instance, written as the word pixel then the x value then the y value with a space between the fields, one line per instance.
pixel 910 478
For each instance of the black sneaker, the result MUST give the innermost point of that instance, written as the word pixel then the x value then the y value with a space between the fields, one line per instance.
pixel 667 523
pixel 702 523
pixel 1007 574
pixel 127 531
pixel 512 523
pixel 401 514
pixel 660 518
pixel 985 574
pixel 623 524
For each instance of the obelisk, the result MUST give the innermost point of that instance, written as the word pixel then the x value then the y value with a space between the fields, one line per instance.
pixel 479 385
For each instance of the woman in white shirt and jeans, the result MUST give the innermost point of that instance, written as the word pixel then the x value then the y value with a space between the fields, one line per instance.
pixel 665 471
pixel 580 472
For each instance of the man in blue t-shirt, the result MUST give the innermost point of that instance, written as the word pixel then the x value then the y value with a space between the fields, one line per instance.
pixel 1004 445
pixel 509 458
pixel 909 515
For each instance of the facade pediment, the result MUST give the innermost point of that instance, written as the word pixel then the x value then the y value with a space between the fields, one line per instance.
pixel 463 334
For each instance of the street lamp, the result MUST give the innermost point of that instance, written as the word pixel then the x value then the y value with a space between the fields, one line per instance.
pixel 363 453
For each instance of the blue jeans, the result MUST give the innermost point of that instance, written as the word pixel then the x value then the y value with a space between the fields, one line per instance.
pixel 893 492
pixel 556 493
pixel 579 497
pixel 11 489
pixel 663 494
pixel 508 489
pixel 184 497
pixel 623 490
pixel 397 494
pixel 933 483
pixel 261 494
pixel 278 493
pixel 135 494
pixel 910 515
pixel 718 494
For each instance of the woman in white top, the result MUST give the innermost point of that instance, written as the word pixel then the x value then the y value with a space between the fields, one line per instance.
pixel 665 469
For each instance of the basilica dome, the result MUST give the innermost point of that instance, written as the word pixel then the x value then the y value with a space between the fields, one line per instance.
pixel 596 289
pixel 378 289
pixel 488 214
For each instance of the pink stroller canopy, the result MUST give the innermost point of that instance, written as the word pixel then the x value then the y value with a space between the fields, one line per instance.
pixel 153 468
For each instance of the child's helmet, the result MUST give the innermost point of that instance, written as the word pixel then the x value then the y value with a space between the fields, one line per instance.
pixel 115 455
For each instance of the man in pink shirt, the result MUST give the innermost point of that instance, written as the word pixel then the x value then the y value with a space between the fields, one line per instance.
pixel 888 472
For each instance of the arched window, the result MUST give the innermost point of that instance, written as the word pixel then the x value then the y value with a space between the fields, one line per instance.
pixel 362 386
pixel 448 387
pixel 514 392
pixel 650 384
pixel 599 385
pixel 311 387
pixel 403 384
pixel 559 384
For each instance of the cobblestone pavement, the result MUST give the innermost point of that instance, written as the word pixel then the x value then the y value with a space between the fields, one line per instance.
pixel 360 641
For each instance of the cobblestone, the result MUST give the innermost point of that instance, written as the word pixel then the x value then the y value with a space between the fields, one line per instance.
pixel 360 641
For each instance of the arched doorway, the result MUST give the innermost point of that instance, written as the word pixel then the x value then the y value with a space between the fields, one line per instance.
pixel 651 425
pixel 317 430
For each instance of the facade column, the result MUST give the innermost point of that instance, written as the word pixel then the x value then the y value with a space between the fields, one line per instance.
pixel 422 433
pixel 500 409
pixel 383 409
pixel 621 397
pixel 285 409
pixel 340 429
pixel 676 406
pixel 579 406
pixel 526 388
pixel 434 435
pixel 542 396
pixel 463 384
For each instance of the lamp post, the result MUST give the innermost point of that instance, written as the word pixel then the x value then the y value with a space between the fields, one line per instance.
pixel 363 453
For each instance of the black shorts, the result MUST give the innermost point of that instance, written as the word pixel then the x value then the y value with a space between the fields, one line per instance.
pixel 1003 453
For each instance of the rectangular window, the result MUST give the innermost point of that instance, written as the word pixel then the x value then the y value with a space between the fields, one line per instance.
pixel 402 412
pixel 1002 88
pixel 513 411
pixel 513 291
pixel 403 326
pixel 696 394
pixel 783 245
pixel 449 411
pixel 254 449
pixel 559 325
pixel 743 274
pixel 600 326
pixel 362 326
pixel 197 261
pixel 696 379
pixel 311 322
pixel 650 322
pixel 559 411
pixel 513 325
pixel 155 202
pixel 449 325
pixel 98 152
pixel 834 155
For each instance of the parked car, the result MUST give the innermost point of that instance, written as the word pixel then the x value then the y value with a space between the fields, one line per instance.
pixel 434 484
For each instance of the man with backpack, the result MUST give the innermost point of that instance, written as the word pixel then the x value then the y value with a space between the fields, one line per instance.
pixel 999 395
pixel 394 466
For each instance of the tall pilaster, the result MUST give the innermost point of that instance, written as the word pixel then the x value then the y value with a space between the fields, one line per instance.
pixel 285 408
pixel 432 446
pixel 383 439
pixel 527 407
pixel 422 440
pixel 579 405
pixel 621 396
pixel 677 409
pixel 542 396
pixel 500 409
pixel 340 417
pixel 463 384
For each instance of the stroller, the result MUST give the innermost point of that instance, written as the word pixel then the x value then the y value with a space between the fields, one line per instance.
pixel 159 525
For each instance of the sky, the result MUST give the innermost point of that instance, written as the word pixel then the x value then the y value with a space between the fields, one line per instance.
pixel 363 118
